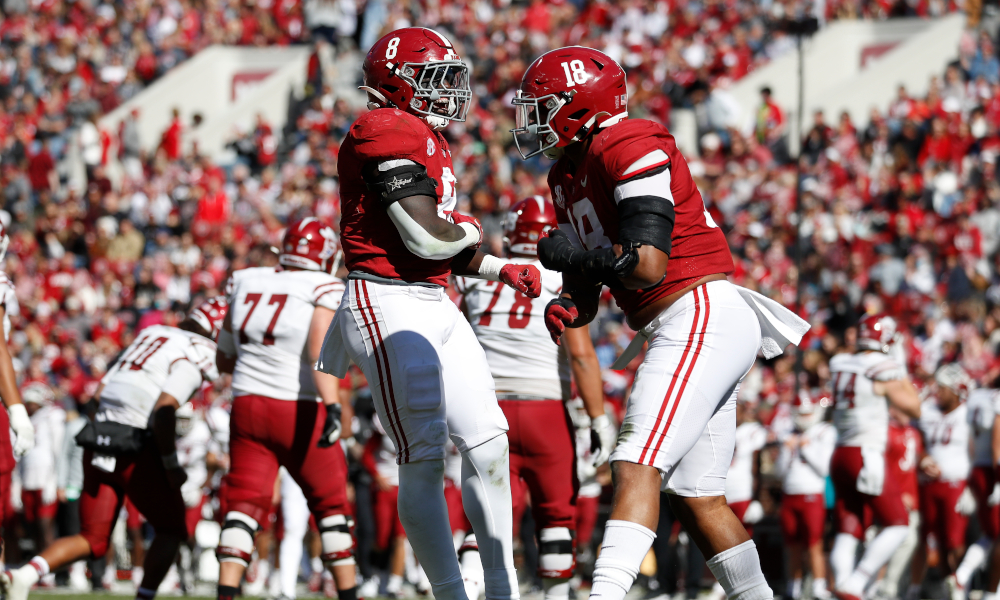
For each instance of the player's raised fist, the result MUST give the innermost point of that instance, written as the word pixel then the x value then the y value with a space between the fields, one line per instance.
pixel 524 278
pixel 559 313
pixel 556 251
pixel 459 218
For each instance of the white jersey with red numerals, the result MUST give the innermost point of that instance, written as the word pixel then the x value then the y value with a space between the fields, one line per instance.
pixel 750 437
pixel 511 328
pixel 270 312
pixel 8 300
pixel 981 411
pixel 804 468
pixel 946 439
pixel 860 415
pixel 161 359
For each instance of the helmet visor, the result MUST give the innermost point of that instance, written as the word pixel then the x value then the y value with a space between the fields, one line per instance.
pixel 532 131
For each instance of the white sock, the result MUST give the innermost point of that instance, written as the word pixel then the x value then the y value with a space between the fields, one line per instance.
pixel 394 585
pixel 40 565
pixel 625 545
pixel 290 553
pixel 556 589
pixel 424 514
pixel 845 547
pixel 974 558
pixel 795 588
pixel 316 564
pixel 877 553
pixel 486 499
pixel 738 571
pixel 819 588
pixel 472 567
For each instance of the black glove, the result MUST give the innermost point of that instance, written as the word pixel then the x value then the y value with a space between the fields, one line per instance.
pixel 600 266
pixel 331 429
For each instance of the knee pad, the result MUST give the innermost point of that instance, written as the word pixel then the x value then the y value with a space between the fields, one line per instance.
pixel 556 558
pixel 236 539
pixel 338 544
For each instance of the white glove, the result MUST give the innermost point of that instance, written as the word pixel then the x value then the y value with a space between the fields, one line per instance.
pixel 966 504
pixel 602 439
pixel 754 513
pixel 23 430
pixel 994 498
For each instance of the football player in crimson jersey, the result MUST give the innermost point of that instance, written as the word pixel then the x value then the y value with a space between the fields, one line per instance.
pixel 284 412
pixel 532 377
pixel 130 449
pixel 402 239
pixel 903 449
pixel 865 384
pixel 15 418
pixel 630 217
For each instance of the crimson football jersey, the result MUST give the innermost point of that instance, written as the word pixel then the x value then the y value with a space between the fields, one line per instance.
pixel 901 455
pixel 371 242
pixel 586 201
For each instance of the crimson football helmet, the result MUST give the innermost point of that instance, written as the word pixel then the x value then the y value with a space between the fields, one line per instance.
pixel 310 244
pixel 526 223
pixel 808 409
pixel 210 314
pixel 876 332
pixel 564 95
pixel 418 70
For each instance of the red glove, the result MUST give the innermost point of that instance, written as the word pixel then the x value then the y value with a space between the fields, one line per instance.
pixel 459 218
pixel 524 278
pixel 559 313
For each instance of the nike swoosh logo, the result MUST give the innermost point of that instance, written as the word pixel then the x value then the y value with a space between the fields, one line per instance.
pixel 583 182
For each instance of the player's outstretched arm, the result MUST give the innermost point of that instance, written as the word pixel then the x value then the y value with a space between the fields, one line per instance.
pixel 164 433
pixel 902 395
pixel 225 353
pixel 24 431
pixel 427 235
pixel 526 279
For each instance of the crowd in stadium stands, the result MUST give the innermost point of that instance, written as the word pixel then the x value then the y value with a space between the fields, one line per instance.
pixel 900 213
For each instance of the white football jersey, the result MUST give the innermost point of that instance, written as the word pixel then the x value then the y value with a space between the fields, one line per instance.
pixel 192 449
pixel 9 302
pixel 946 439
pixel 511 329
pixel 860 416
pixel 161 359
pixel 38 466
pixel 271 312
pixel 750 437
pixel 804 469
pixel 981 411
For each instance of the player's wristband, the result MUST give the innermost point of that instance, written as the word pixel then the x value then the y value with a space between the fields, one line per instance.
pixel 170 461
pixel 489 269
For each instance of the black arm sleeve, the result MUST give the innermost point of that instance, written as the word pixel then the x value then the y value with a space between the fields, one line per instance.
pixel 647 220
pixel 398 182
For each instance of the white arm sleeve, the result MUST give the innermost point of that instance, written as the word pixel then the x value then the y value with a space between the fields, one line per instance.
pixel 183 381
pixel 425 245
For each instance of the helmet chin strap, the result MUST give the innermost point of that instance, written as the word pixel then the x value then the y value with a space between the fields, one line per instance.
pixel 383 102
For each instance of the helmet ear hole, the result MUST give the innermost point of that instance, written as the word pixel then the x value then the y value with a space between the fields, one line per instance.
pixel 578 115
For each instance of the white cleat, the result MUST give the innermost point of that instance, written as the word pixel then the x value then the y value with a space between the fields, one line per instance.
pixel 16 584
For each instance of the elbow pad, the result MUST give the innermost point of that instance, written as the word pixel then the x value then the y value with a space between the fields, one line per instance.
pixel 646 221
pixel 394 180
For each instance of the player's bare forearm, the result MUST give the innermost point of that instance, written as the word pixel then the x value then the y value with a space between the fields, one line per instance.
pixel 586 369
pixel 650 271
pixel 225 361
pixel 8 378
pixel 165 423
pixel 327 385
pixel 902 395
pixel 346 412
pixel 996 439
pixel 467 262
pixel 423 210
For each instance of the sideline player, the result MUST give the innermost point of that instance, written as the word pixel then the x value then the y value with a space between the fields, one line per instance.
pixel 803 463
pixel 130 449
pixel 741 481
pixel 532 377
pixel 15 418
pixel 945 504
pixel 402 239
pixel 903 449
pixel 284 413
pixel 865 384
pixel 982 482
pixel 626 203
